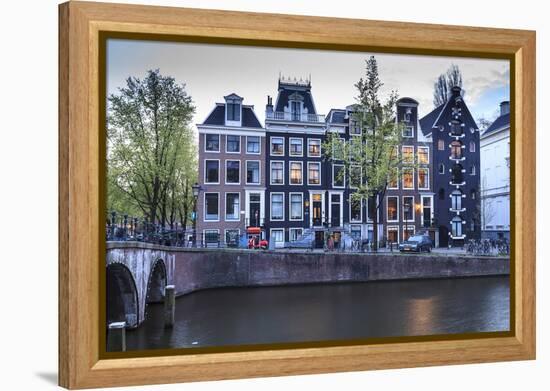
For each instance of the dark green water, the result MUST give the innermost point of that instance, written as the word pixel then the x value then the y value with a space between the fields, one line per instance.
pixel 243 316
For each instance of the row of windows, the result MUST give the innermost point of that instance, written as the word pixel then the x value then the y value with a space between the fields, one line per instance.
pixel 232 143
pixel 277 147
pixel 456 147
pixel 472 170
pixel 407 179
pixel 212 206
pixel 295 169
pixel 232 172
pixel 407 132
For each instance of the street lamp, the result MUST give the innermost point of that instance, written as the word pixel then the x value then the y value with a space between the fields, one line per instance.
pixel 407 208
pixel 196 189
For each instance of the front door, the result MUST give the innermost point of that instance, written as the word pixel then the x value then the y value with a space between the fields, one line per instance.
pixel 316 209
pixel 254 210
pixel 319 239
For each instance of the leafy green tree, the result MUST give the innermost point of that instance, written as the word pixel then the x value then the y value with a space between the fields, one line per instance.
pixel 371 158
pixel 445 82
pixel 151 156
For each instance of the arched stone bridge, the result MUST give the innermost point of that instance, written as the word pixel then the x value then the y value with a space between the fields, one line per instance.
pixel 136 276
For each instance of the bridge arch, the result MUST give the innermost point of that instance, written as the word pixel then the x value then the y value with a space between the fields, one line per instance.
pixel 157 282
pixel 122 295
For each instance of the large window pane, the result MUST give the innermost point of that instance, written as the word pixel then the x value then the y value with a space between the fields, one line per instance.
pixel 277 206
pixel 296 204
pixel 277 146
pixel 296 147
pixel 314 148
pixel 338 176
pixel 295 173
pixel 408 178
pixel 233 143
pixel 253 172
pixel 212 171
pixel 392 208
pixel 314 173
pixel 212 142
pixel 211 206
pixel 277 177
pixel 232 206
pixel 423 178
pixel 253 144
pixel 232 171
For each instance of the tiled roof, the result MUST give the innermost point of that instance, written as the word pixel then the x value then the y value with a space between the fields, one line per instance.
pixel 500 122
pixel 217 117
pixel 427 122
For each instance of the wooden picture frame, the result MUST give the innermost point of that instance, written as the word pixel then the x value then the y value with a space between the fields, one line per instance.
pixel 80 147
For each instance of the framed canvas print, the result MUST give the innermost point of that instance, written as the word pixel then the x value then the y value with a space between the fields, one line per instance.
pixel 247 195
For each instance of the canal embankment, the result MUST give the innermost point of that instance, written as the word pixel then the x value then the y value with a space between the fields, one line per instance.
pixel 196 269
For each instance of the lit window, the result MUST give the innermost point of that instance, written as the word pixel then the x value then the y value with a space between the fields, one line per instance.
pixel 314 173
pixel 295 173
pixel 408 154
pixel 314 148
pixel 392 209
pixel 423 157
pixel 423 178
pixel 408 178
pixel 456 149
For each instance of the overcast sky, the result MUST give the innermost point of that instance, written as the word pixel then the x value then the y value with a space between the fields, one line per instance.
pixel 212 71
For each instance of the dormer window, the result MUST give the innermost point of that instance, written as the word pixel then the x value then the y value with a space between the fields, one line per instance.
pixel 295 102
pixel 233 107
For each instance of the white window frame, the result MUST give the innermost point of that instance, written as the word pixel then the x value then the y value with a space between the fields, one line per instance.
pixel 290 206
pixel 427 149
pixel 259 143
pixel 259 172
pixel 351 126
pixel 320 147
pixel 230 229
pixel 407 127
pixel 333 177
pixel 240 172
pixel 219 142
pixel 204 173
pixel 320 174
pixel 204 207
pixel 240 143
pixel 290 146
pixel 360 214
pixel 290 171
pixel 271 144
pixel 473 170
pixel 290 230
pixel 472 143
pixel 403 178
pixel 427 170
pixel 360 176
pixel 409 227
pixel 439 169
pixel 271 235
pixel 413 206
pixel 341 207
pixel 271 172
pixel 440 142
pixel 225 206
pixel 271 206
pixel 387 206
pixel 403 147
pixel 422 198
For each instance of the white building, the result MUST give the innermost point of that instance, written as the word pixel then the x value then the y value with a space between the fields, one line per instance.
pixel 495 176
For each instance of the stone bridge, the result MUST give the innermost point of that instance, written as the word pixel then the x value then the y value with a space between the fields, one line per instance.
pixel 137 273
pixel 136 276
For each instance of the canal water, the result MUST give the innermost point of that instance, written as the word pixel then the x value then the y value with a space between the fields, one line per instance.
pixel 244 316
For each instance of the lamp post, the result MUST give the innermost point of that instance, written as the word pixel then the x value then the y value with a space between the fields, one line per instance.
pixel 196 189
pixel 407 209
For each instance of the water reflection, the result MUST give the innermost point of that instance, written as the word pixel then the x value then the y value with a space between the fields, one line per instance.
pixel 238 316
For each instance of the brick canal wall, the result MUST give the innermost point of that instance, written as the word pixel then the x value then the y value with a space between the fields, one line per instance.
pixel 210 269
pixel 194 269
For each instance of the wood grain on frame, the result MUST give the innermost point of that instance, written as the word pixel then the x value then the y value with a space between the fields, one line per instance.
pixel 79 188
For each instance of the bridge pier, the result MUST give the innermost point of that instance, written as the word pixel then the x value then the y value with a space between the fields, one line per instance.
pixel 169 306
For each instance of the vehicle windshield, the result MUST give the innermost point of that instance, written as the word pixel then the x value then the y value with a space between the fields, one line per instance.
pixel 415 239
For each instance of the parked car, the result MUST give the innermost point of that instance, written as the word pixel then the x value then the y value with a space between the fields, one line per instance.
pixel 417 243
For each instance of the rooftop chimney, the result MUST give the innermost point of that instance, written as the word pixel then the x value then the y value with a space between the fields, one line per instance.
pixel 269 106
pixel 504 107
